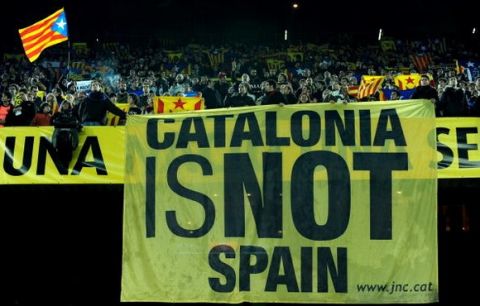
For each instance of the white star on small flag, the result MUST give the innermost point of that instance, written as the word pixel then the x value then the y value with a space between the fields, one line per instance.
pixel 61 24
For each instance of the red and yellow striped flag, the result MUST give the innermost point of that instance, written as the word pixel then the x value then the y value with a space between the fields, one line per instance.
pixel 421 62
pixel 459 68
pixel 353 90
pixel 43 34
pixel 177 104
pixel 112 119
pixel 369 85
pixel 216 59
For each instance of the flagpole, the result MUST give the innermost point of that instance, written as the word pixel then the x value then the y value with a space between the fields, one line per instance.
pixel 68 59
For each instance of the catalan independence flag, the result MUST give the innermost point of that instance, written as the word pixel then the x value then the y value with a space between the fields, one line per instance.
pixel 162 104
pixel 421 62
pixel 407 81
pixel 114 120
pixel 43 34
pixel 369 85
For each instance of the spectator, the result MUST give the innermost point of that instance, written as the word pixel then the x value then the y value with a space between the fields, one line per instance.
pixel 286 91
pixel 336 94
pixel 242 98
pixel 282 79
pixel 36 98
pixel 178 86
pixel 133 108
pixel 272 96
pixel 211 96
pixel 44 116
pixel 51 99
pixel 255 84
pixel 304 98
pixel 145 98
pixel 65 135
pixel 395 95
pixel 93 109
pixel 453 102
pixel 425 90
pixel 22 114
pixel 222 85
pixel 5 107
pixel 13 89
pixel 442 84
pixel 122 95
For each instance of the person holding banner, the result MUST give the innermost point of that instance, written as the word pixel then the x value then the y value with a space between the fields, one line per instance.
pixel 425 91
pixel 242 98
pixel 453 102
pixel 210 94
pixel 93 109
pixel 133 108
pixel 146 97
pixel 287 92
pixel 65 135
pixel 272 96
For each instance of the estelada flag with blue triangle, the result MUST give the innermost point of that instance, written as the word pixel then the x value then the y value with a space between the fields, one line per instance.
pixel 43 34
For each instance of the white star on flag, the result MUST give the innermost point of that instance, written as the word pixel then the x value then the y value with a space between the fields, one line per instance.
pixel 61 24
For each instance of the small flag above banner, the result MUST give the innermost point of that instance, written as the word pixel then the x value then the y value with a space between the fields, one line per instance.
pixel 43 34
pixel 369 85
pixel 407 81
pixel 170 104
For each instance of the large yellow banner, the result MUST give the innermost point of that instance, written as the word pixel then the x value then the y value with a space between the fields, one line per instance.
pixel 458 146
pixel 27 156
pixel 317 203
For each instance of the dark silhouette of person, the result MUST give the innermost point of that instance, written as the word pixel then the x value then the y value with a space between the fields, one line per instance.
pixel 426 91
pixel 272 96
pixel 22 114
pixel 65 134
pixel 93 109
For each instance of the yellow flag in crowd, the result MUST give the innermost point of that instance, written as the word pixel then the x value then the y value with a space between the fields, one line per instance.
pixel 459 68
pixel 407 81
pixel 165 104
pixel 274 64
pixel 216 59
pixel 174 56
pixel 112 119
pixel 353 90
pixel 295 56
pixel 388 45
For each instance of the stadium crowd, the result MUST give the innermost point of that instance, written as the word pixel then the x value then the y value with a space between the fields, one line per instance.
pixel 235 75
